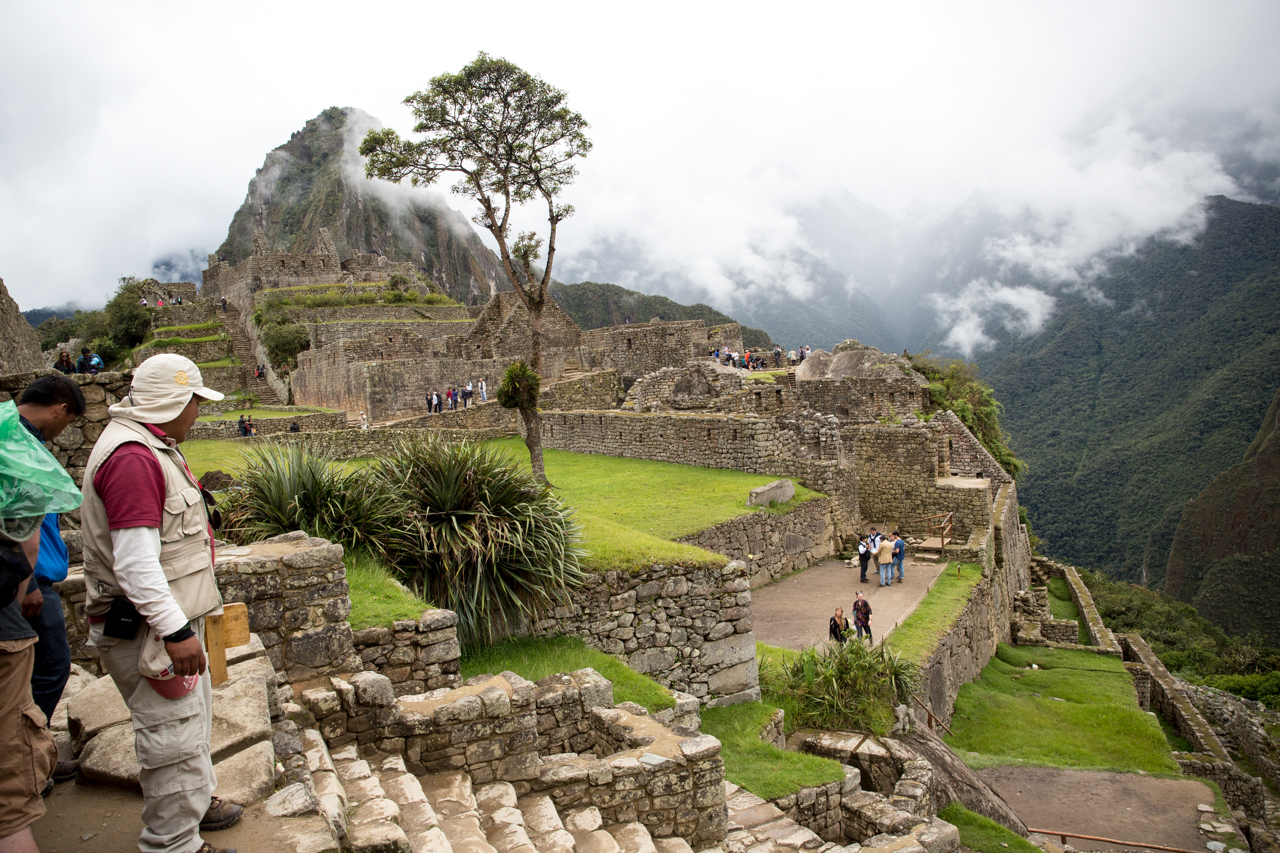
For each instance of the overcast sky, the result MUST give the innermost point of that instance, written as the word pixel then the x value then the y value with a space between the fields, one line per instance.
pixel 130 131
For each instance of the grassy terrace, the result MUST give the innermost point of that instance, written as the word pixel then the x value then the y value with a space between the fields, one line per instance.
pixel 376 597
pixel 229 361
pixel 917 637
pixel 536 658
pixel 760 767
pixel 178 341
pixel 173 331
pixel 636 507
pixel 260 414
pixel 1062 607
pixel 1076 709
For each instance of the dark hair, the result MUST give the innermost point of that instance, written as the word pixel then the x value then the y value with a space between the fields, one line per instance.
pixel 52 390
pixel 896 533
pixel 84 350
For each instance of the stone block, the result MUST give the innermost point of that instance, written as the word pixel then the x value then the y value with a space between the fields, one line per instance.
pixel 378 837
pixel 779 491
pixel 731 650
pixel 291 801
pixel 248 775
pixel 109 759
pixel 241 717
pixel 97 707
pixel 734 679
pixel 373 690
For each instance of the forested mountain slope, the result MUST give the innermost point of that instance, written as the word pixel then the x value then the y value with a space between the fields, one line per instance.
pixel 1125 411
pixel 593 306
pixel 1226 552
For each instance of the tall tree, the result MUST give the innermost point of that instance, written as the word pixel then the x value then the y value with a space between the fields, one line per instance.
pixel 510 139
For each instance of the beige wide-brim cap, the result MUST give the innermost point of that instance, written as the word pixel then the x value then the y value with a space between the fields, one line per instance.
pixel 162 387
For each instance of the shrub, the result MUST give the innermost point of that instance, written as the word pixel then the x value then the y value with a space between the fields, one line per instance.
pixel 493 543
pixel 284 341
pixel 437 299
pixel 842 686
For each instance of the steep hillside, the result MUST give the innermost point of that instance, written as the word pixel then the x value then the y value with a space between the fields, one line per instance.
pixel 316 180
pixel 1226 551
pixel 593 306
pixel 19 346
pixel 1126 409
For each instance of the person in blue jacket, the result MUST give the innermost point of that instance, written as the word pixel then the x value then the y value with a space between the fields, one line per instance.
pixel 47 407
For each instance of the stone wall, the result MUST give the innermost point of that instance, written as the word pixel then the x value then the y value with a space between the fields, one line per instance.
pixel 689 629
pixel 1099 634
pixel 640 348
pixel 863 399
pixel 600 390
pixel 384 340
pixel 307 421
pixel 186 314
pixel 198 351
pixel 73 446
pixel 696 385
pixel 415 655
pixel 382 313
pixel 478 416
pixel 561 736
pixel 775 544
pixel 295 587
pixel 1211 760
pixel 967 455
pixel 366 443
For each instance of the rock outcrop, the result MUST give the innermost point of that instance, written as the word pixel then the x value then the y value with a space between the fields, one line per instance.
pixel 19 346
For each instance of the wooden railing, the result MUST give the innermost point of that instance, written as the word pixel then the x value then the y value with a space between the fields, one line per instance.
pixel 944 528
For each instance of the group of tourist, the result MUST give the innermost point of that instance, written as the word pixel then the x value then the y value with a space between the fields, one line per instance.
pixel 88 362
pixel 173 300
pixel 246 427
pixel 145 604
pixel 756 361
pixel 890 554
pixel 449 400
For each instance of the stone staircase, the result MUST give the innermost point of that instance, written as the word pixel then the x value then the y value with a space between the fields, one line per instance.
pixel 374 805
pixel 243 349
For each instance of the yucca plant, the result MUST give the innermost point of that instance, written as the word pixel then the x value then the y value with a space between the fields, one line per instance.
pixel 284 487
pixel 847 686
pixel 492 541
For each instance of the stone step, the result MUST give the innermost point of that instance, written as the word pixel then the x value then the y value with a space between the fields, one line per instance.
pixel 632 838
pixel 542 823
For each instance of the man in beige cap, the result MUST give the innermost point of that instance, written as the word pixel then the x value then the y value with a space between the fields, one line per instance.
pixel 149 583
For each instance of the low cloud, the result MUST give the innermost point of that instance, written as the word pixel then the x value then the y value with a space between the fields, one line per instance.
pixel 968 314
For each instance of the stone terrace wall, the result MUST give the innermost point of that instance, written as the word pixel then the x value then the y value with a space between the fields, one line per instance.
pixel 640 348
pixel 1099 634
pixel 775 544
pixel 307 422
pixel 968 457
pixel 73 446
pixel 862 400
pixel 186 314
pixel 364 443
pixel 709 441
pixel 504 727
pixel 384 314
pixel 600 390
pixel 688 629
pixel 415 655
pixel 1211 760
pixel 383 340
pixel 198 351
pixel 696 385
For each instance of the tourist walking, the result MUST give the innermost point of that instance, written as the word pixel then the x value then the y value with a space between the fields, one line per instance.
pixel 838 626
pixel 884 557
pixel 862 617
pixel 364 421
pixel 484 391
pixel 899 553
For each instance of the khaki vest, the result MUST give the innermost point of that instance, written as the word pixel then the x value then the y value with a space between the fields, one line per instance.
pixel 185 554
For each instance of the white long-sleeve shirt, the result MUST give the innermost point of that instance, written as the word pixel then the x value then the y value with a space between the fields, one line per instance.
pixel 138 571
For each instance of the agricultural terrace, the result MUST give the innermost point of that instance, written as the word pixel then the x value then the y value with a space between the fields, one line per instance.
pixel 630 510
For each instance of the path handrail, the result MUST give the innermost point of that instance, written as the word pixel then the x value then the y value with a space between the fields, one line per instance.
pixel 932 717
pixel 1065 835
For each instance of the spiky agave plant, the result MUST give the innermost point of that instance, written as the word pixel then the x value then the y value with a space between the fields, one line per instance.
pixel 493 542
pixel 850 685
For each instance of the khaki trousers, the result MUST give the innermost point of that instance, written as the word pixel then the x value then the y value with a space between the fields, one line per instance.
pixel 171 739
pixel 27 751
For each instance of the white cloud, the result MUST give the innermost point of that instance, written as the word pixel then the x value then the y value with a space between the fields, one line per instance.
pixel 1021 310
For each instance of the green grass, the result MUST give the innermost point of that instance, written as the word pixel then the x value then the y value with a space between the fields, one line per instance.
pixel 204 455
pixel 260 414
pixel 762 768
pixel 537 657
pixel 769 376
pixel 999 718
pixel 1062 607
pixel 229 361
pixel 771 659
pixel 173 342
pixel 376 598
pixel 193 327
pixel 984 835
pixel 1176 741
pixel 917 637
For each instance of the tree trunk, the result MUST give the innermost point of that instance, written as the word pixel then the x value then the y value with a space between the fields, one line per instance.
pixel 533 440
pixel 535 336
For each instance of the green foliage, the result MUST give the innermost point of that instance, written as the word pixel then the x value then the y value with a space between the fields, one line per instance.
pixel 917 637
pixel 534 658
pixel 762 768
pixel 593 305
pixel 55 330
pixel 983 834
pixel 1077 709
pixel 1187 643
pixel 465 528
pixel 1126 410
pixel 111 332
pixel 1264 688
pixel 377 598
pixel 842 686
pixel 954 386
pixel 283 342
pixel 519 387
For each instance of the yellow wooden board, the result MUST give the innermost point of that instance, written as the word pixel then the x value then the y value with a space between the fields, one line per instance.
pixel 222 632
pixel 235 624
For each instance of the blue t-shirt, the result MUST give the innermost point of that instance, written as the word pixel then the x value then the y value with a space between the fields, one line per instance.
pixel 51 566
pixel 899 547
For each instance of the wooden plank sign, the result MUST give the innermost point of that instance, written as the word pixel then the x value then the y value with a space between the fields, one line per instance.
pixel 228 630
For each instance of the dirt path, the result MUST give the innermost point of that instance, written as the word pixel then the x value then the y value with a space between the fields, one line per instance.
pixel 1124 806
pixel 792 612
pixel 114 818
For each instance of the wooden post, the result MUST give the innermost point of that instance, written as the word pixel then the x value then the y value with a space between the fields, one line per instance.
pixel 227 630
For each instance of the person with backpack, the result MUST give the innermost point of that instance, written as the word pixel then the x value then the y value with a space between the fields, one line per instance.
pixel 89 362
pixel 862 617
